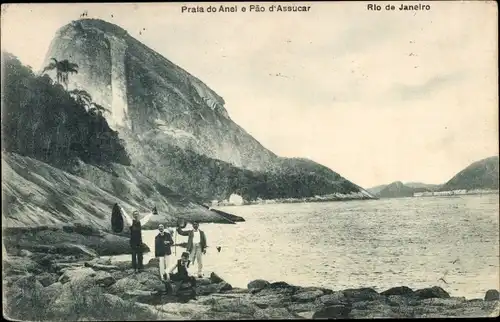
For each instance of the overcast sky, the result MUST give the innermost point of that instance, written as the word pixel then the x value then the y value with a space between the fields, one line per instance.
pixel 375 96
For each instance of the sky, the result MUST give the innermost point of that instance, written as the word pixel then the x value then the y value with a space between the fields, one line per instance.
pixel 377 96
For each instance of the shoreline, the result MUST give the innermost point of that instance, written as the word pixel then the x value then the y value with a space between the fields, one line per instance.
pixel 52 286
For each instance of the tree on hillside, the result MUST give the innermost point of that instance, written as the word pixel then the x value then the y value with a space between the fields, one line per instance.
pixel 63 68
pixel 82 97
pixel 96 109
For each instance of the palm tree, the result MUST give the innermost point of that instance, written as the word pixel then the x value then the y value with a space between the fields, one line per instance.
pixel 68 68
pixel 63 69
pixel 97 109
pixel 82 97
pixel 55 64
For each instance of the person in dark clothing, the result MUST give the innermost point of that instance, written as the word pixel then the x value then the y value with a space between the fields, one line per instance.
pixel 181 276
pixel 135 225
pixel 196 246
pixel 163 243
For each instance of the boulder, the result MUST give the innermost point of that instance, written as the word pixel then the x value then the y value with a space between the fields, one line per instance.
pixel 238 290
pixel 333 312
pixel 279 288
pixel 76 274
pixel 53 290
pixel 125 284
pixel 271 300
pixel 14 265
pixel 282 285
pixel 402 300
pixel 25 253
pixel 25 299
pixel 204 281
pixel 361 294
pixel 214 278
pixel 492 295
pixel 47 279
pixel 212 288
pixel 306 315
pixel 101 261
pixel 104 279
pixel 183 309
pixel 149 279
pixel 375 309
pixel 101 267
pixel 336 298
pixel 399 290
pixel 258 284
pixel 273 313
pixel 235 305
pixel 47 261
pixel 450 303
pixel 304 307
pixel 60 267
pixel 28 283
pixel 307 296
pixel 432 292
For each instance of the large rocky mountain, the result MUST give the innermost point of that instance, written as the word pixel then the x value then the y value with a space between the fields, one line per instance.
pixel 177 130
pixel 482 174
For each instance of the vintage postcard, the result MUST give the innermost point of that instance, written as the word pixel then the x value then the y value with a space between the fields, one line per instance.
pixel 250 160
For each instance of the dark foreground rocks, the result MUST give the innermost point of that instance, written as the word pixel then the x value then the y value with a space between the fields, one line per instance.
pixel 77 240
pixel 59 287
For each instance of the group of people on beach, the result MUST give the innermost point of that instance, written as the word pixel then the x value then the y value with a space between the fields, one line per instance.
pixel 195 249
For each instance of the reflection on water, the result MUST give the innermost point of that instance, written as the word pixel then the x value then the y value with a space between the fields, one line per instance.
pixel 376 243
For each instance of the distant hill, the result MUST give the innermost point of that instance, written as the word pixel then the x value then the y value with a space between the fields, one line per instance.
pixel 399 189
pixel 396 189
pixel 376 190
pixel 419 185
pixel 482 174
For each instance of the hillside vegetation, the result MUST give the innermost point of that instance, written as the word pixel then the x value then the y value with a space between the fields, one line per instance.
pixel 41 119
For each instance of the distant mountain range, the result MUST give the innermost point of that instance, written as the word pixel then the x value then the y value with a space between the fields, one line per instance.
pixel 399 189
pixel 482 174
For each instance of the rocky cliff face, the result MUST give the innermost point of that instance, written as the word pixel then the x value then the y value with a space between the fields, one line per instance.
pixel 172 122
pixel 147 93
pixel 37 194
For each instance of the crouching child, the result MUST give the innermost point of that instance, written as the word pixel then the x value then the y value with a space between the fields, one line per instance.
pixel 181 276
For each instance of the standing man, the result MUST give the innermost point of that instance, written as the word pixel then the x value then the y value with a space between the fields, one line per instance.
pixel 196 246
pixel 136 236
pixel 163 243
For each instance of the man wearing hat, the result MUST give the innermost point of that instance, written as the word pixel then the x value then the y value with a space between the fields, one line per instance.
pixel 196 246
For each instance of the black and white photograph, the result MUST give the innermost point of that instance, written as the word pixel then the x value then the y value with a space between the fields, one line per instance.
pixel 250 160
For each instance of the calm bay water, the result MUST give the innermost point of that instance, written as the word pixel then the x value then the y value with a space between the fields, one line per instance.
pixel 374 243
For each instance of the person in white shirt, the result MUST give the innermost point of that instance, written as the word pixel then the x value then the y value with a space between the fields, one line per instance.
pixel 136 236
pixel 163 244
pixel 196 246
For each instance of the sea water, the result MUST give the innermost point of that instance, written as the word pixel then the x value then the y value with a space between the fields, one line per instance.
pixel 452 242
